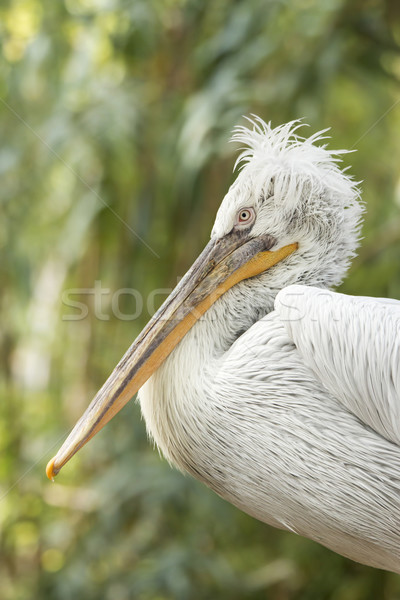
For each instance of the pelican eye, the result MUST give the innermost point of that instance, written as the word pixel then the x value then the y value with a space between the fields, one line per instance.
pixel 245 216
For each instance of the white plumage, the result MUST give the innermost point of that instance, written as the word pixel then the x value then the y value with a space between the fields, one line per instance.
pixel 294 420
pixel 278 394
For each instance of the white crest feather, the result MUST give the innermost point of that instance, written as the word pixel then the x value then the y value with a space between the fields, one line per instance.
pixel 292 162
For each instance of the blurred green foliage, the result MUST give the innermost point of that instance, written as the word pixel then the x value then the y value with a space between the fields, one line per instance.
pixel 115 119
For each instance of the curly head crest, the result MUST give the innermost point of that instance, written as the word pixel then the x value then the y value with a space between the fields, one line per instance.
pixel 291 161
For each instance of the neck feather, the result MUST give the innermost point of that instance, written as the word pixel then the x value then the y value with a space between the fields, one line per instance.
pixel 186 374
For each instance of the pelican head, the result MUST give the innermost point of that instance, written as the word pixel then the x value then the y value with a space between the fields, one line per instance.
pixel 291 216
pixel 296 192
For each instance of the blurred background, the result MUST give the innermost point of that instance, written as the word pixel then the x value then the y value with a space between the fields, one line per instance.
pixel 114 156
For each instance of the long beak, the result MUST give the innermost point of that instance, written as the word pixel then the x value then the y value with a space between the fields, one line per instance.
pixel 223 263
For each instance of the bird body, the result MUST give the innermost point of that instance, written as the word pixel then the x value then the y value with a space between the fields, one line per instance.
pixel 257 424
pixel 281 396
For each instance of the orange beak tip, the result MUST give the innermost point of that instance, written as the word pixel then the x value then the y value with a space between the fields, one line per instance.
pixel 51 472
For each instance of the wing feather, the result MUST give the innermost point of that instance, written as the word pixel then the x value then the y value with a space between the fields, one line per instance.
pixel 352 344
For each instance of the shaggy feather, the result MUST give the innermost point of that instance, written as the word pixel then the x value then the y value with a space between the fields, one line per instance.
pixel 296 165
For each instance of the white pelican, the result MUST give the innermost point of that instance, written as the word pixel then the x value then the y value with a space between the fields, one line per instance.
pixel 283 398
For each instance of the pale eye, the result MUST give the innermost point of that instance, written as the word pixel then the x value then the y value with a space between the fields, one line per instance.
pixel 245 216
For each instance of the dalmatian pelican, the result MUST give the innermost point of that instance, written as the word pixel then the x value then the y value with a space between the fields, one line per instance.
pixel 279 394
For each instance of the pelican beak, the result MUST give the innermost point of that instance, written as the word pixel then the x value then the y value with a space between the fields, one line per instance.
pixel 223 263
